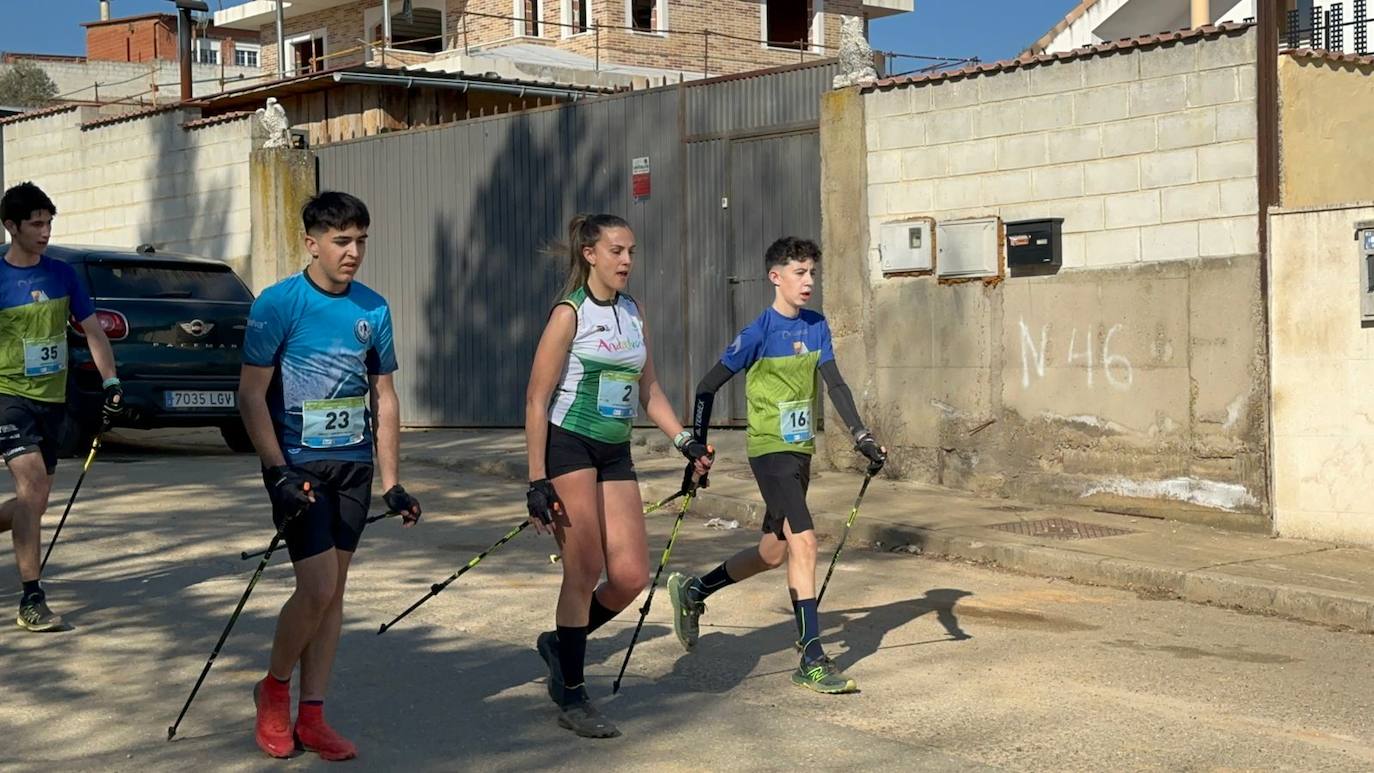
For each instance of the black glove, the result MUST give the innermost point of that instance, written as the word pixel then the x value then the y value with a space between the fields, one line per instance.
pixel 114 401
pixel 543 502
pixel 288 487
pixel 868 446
pixel 695 450
pixel 398 500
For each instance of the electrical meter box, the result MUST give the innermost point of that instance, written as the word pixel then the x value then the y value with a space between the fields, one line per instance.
pixel 1364 234
pixel 908 245
pixel 1035 242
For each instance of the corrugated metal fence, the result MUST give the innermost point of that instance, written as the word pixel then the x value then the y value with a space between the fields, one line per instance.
pixel 463 217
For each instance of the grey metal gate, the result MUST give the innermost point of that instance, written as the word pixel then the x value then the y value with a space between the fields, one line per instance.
pixel 464 215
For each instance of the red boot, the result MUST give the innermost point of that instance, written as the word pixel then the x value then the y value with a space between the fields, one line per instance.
pixel 273 728
pixel 315 735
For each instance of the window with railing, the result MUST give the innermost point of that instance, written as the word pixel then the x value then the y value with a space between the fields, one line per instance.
pixel 528 22
pixel 206 51
pixel 576 17
pixel 788 23
pixel 1336 26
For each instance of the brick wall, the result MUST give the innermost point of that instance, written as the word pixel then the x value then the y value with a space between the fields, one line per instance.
pixel 1148 155
pixel 145 179
pixel 343 26
pixel 135 41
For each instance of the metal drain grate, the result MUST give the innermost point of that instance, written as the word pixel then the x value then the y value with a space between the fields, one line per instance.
pixel 1059 528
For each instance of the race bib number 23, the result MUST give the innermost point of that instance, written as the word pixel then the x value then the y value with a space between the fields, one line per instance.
pixel 333 423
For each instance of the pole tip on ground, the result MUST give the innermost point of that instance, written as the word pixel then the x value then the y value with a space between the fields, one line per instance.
pixel 381 630
pixel 243 555
pixel 171 733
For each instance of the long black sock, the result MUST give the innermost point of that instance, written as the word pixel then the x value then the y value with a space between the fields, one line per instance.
pixel 31 588
pixel 572 652
pixel 598 615
pixel 809 628
pixel 709 583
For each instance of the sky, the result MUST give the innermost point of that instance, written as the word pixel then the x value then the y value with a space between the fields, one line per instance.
pixel 953 28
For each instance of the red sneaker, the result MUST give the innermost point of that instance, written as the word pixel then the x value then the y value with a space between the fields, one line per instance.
pixel 273 728
pixel 315 735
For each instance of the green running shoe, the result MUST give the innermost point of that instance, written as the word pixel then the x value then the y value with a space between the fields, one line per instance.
pixel 34 615
pixel 686 612
pixel 823 676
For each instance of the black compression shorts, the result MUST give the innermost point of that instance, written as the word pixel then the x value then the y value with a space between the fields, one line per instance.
pixel 569 452
pixel 28 426
pixel 783 480
pixel 343 493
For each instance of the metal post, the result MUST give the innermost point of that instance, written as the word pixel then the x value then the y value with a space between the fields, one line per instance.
pixel 281 40
pixel 596 30
pixel 706 54
pixel 386 29
pixel 466 49
pixel 184 51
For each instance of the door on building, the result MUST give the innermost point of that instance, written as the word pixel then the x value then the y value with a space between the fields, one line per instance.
pixel 775 191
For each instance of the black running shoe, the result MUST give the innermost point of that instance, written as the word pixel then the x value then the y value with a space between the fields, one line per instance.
pixel 34 615
pixel 547 644
pixel 582 717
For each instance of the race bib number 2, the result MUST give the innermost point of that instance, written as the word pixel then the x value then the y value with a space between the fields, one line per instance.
pixel 795 421
pixel 43 356
pixel 333 423
pixel 617 395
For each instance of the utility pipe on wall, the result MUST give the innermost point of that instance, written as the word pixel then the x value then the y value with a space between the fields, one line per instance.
pixel 281 40
pixel 1202 13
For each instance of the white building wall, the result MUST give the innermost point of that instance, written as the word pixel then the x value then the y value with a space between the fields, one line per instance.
pixel 142 180
pixel 94 81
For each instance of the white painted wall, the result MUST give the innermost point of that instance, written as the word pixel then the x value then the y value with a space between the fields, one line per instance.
pixel 1322 366
pixel 141 180
pixel 1115 19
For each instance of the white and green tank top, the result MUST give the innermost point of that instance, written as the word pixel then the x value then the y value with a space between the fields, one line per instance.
pixel 598 393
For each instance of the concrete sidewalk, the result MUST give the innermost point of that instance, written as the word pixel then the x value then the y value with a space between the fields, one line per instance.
pixel 1311 581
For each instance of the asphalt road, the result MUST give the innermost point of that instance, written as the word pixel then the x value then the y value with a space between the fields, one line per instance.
pixel 961 667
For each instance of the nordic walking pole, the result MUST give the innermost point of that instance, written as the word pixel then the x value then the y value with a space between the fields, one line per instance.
pixel 245 555
pixel 853 515
pixel 662 562
pixel 438 587
pixel 659 505
pixel 95 446
pixel 267 554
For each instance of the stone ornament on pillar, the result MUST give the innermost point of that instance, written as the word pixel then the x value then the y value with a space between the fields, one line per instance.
pixel 856 56
pixel 274 124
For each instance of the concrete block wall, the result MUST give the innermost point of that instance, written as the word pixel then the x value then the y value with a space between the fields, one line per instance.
pixel 142 180
pixel 1133 377
pixel 1147 155
pixel 92 81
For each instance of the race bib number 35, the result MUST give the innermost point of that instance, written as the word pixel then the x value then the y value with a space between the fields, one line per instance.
pixel 795 418
pixel 617 395
pixel 45 355
pixel 333 423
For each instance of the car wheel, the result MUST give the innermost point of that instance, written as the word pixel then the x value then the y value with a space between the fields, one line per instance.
pixel 236 437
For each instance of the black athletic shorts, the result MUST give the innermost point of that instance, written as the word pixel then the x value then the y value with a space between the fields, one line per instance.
pixel 28 425
pixel 343 493
pixel 783 479
pixel 569 452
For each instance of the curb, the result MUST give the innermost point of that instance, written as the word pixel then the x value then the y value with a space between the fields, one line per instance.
pixel 1202 586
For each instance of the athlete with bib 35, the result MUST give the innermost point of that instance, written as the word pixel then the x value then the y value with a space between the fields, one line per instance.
pixel 37 296
pixel 317 364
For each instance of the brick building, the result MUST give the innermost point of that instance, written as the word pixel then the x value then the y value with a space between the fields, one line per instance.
pixel 153 36
pixel 694 37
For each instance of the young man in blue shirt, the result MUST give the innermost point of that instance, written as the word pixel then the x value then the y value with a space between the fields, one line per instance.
pixel 37 296
pixel 317 378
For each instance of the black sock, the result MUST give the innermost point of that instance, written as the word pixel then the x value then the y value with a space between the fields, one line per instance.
pixel 709 583
pixel 572 652
pixel 31 588
pixel 598 615
pixel 809 627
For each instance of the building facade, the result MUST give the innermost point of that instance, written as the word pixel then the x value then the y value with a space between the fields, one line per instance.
pixel 693 37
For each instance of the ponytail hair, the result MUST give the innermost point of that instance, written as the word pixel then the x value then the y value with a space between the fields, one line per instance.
pixel 584 231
